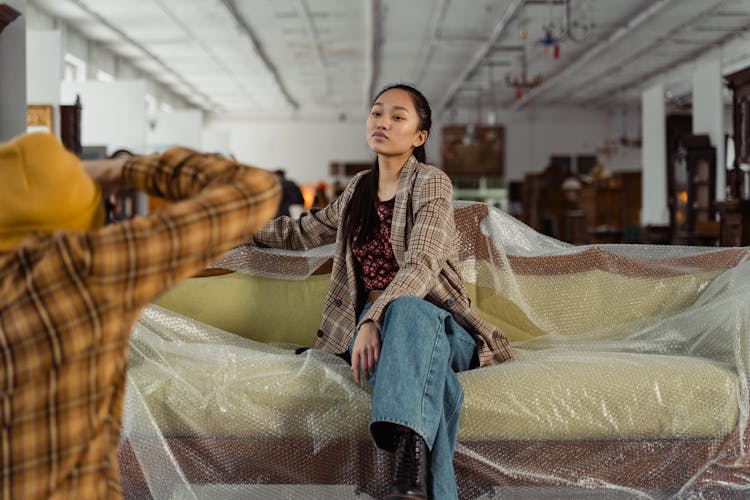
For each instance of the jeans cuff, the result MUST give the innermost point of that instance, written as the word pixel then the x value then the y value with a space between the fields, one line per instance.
pixel 386 442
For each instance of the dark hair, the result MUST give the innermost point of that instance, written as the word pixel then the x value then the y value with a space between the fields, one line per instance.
pixel 361 208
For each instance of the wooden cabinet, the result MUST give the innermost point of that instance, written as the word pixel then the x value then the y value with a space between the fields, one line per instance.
pixel 695 175
pixel 734 212
pixel 739 83
pixel 735 222
pixel 544 202
pixel 605 211
pixel 70 127
pixel 612 207
pixel 677 125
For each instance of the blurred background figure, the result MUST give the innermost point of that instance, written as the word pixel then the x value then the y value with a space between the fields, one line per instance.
pixel 321 198
pixel 292 202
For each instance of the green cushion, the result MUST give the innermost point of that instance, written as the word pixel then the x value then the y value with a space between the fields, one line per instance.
pixel 261 309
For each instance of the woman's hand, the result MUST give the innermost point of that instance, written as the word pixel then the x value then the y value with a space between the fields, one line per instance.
pixel 366 350
pixel 108 173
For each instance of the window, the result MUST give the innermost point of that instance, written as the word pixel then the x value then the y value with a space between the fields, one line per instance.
pixel 74 69
pixel 103 76
pixel 151 106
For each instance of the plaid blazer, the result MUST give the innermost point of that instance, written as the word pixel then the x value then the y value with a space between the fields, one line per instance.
pixel 423 237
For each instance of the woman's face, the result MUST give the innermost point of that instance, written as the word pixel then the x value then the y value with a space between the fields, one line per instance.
pixel 392 127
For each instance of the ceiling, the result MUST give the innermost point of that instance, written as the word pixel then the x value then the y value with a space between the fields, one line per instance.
pixel 326 58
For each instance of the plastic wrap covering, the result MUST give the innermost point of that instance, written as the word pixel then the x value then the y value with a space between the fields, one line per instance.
pixel 631 381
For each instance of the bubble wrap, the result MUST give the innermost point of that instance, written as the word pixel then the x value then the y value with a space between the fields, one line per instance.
pixel 631 381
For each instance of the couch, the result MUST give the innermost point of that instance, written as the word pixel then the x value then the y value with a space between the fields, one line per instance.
pixel 630 378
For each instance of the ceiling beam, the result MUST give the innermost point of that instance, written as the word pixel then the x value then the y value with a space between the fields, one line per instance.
pixel 480 54
pixel 599 48
pixel 260 51
pixel 436 21
pixel 375 43
pixel 644 80
pixel 214 56
pixel 207 104
pixel 318 45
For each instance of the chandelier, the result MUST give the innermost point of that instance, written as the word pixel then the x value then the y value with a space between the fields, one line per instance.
pixel 523 82
pixel 575 23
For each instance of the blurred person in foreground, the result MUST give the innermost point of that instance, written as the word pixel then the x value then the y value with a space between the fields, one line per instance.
pixel 72 289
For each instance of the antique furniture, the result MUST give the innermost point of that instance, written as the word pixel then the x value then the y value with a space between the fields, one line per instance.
pixel 70 126
pixel 735 210
pixel 601 211
pixel 7 15
pixel 544 201
pixel 735 222
pixel 676 126
pixel 695 184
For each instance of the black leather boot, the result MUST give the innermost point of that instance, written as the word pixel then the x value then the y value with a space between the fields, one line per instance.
pixel 412 471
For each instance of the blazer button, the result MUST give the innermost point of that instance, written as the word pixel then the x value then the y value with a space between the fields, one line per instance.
pixel 320 333
pixel 337 302
pixel 450 302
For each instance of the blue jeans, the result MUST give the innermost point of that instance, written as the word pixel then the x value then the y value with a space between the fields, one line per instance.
pixel 415 382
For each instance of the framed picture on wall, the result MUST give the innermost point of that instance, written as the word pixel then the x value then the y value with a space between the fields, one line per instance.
pixel 39 118
pixel 473 150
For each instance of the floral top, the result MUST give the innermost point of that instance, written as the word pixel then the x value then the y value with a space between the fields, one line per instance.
pixel 375 257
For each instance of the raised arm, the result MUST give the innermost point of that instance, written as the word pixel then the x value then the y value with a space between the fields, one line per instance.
pixel 218 204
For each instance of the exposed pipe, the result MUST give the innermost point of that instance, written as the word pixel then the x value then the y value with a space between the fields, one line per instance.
pixel 644 16
pixel 217 60
pixel 480 54
pixel 258 47
pixel 318 44
pixel 687 59
pixel 669 37
pixel 435 22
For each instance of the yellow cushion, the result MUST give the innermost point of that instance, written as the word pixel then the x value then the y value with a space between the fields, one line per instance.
pixel 524 306
pixel 261 309
pixel 266 391
pixel 557 395
pixel 273 310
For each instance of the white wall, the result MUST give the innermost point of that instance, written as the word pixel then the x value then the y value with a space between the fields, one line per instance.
pixel 708 114
pixel 531 138
pixel 13 74
pixel 99 57
pixel 178 128
pixel 216 140
pixel 304 149
pixel 113 114
pixel 43 69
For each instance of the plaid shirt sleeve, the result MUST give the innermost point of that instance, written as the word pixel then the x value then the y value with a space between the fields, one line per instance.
pixel 69 302
pixel 314 228
pixel 224 203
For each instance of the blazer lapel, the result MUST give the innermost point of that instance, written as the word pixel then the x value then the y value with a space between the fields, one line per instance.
pixel 402 208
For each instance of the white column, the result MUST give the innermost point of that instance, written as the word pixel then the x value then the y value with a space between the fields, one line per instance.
pixel 13 74
pixel 708 114
pixel 43 70
pixel 654 211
